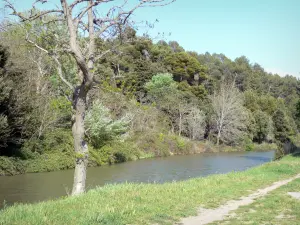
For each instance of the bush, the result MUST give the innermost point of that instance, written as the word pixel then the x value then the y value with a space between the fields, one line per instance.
pixel 115 152
pixel 248 145
pixel 100 156
pixel 178 145
pixel 58 140
pixel 295 139
pixel 50 162
pixel 265 147
pixel 163 144
pixel 11 166
pixel 101 128
pixel 152 143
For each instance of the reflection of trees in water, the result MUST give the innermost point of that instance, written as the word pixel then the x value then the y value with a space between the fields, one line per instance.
pixel 258 158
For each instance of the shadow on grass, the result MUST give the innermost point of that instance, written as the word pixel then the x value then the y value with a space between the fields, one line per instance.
pixel 296 154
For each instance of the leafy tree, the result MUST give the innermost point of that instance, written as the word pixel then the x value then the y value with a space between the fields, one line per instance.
pixel 264 127
pixel 198 91
pixel 268 104
pixel 298 110
pixel 4 131
pixel 174 45
pixel 160 85
pixel 185 67
pixel 282 128
pixel 251 101
pixel 163 90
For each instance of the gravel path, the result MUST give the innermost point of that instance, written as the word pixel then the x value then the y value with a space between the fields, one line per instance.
pixel 206 216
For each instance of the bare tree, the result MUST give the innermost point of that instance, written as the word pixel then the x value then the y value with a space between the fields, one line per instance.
pixel 95 24
pixel 194 122
pixel 229 114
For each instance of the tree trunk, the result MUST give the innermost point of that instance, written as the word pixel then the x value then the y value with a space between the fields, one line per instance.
pixel 180 121
pixel 218 137
pixel 81 148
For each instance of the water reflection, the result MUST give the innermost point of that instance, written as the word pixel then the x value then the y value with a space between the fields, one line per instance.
pixel 258 158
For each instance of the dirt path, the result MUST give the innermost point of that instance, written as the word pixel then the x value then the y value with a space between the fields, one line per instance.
pixel 206 216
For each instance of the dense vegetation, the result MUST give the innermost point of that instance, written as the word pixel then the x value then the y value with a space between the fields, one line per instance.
pixel 151 99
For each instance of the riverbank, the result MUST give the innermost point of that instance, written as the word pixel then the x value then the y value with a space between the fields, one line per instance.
pixel 151 203
pixel 160 146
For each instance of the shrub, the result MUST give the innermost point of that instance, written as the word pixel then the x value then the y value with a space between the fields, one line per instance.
pixel 265 147
pixel 58 140
pixel 179 145
pixel 101 156
pixel 248 145
pixel 101 128
pixel 116 152
pixel 11 166
pixel 153 143
pixel 163 144
pixel 51 161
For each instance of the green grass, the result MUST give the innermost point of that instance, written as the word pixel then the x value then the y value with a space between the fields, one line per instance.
pixel 275 208
pixel 150 203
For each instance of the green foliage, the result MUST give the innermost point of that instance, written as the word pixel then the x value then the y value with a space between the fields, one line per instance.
pixel 101 128
pixel 184 66
pixel 248 145
pixel 25 96
pixel 183 146
pixel 198 91
pixel 251 100
pixel 11 166
pixel 295 139
pixel 153 143
pixel 4 131
pixel 160 85
pixel 52 161
pixel 264 127
pixel 282 127
pixel 265 147
pixel 255 101
pixel 163 144
pixel 116 152
pixel 3 56
pixel 61 104
pixel 268 104
pixel 141 102
pixel 298 109
pixel 58 140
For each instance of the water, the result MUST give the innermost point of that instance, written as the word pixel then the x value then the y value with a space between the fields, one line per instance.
pixel 29 188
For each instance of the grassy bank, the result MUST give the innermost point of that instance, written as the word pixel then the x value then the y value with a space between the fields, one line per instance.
pixel 62 157
pixel 150 203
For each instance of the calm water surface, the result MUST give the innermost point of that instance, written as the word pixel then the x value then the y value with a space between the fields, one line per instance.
pixel 42 186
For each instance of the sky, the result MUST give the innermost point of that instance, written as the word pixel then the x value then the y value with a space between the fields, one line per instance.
pixel 267 32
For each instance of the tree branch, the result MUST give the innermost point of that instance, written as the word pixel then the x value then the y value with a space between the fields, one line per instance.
pixel 59 66
pixel 31 17
pixel 121 18
pixel 60 73
pixel 79 17
pixel 35 44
